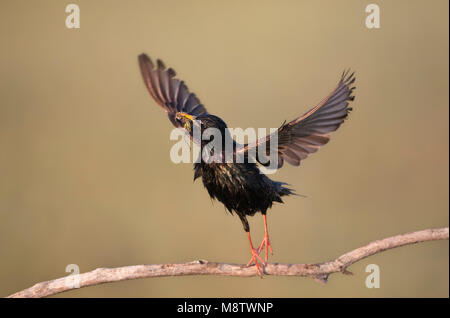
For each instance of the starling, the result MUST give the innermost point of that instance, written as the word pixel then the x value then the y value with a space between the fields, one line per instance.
pixel 241 186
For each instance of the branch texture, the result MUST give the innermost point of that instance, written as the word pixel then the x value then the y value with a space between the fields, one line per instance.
pixel 319 272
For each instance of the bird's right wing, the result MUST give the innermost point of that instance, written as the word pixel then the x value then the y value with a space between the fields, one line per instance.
pixel 169 92
pixel 306 134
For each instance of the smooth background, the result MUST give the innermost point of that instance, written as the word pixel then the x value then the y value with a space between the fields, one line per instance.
pixel 85 174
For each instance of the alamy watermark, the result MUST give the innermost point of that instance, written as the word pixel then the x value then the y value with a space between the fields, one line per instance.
pixel 73 19
pixel 373 279
pixel 211 145
pixel 73 280
pixel 373 18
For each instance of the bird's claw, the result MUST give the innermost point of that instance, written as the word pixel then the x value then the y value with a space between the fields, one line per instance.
pixel 254 259
pixel 266 244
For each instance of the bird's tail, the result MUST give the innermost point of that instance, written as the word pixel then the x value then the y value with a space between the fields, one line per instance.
pixel 282 190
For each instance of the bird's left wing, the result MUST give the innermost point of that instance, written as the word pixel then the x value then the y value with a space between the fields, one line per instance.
pixel 169 92
pixel 306 134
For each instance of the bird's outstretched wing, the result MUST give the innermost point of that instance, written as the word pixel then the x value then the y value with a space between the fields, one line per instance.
pixel 306 134
pixel 170 93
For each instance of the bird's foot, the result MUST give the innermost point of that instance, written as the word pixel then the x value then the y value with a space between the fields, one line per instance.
pixel 254 259
pixel 266 244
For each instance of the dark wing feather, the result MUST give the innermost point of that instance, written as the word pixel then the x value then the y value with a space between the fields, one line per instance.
pixel 169 92
pixel 306 134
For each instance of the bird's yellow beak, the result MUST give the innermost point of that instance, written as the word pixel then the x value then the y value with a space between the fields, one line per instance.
pixel 187 123
pixel 186 115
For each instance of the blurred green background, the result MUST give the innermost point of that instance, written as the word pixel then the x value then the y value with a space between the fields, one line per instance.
pixel 85 173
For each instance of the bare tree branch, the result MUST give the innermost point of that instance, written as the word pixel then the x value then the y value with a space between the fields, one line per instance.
pixel 318 272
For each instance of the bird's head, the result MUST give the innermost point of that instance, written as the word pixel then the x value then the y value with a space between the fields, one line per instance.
pixel 203 123
pixel 186 120
pixel 206 121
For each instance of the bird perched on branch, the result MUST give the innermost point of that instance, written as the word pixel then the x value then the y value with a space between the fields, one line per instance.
pixel 241 186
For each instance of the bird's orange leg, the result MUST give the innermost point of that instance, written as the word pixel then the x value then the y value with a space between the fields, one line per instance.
pixel 255 256
pixel 265 243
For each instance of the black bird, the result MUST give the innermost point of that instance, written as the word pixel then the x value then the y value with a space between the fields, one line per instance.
pixel 241 187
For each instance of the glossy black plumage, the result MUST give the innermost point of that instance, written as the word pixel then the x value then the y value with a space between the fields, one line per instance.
pixel 240 186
